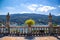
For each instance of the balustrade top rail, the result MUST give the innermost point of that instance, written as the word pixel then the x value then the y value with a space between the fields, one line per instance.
pixel 31 27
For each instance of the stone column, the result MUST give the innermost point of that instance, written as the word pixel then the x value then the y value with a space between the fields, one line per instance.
pixel 50 24
pixel 8 23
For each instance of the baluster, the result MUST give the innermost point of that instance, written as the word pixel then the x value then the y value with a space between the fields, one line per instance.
pixel 46 31
pixel 33 30
pixel 41 29
pixel 36 30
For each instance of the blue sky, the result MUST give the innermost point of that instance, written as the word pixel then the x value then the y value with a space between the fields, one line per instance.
pixel 30 6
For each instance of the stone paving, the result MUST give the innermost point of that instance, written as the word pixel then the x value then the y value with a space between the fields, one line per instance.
pixel 0 38
pixel 29 38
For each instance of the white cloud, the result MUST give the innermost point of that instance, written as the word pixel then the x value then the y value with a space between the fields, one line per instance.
pixel 40 8
pixel 57 15
pixel 0 12
pixel 45 8
pixel 32 7
pixel 10 8
pixel 58 6
pixel 41 5
pixel 25 12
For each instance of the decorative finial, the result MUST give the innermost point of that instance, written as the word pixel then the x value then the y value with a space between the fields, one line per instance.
pixel 8 13
pixel 49 14
pixel 8 16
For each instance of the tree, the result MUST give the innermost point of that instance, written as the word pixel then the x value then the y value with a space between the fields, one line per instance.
pixel 0 24
pixel 29 22
pixel 54 24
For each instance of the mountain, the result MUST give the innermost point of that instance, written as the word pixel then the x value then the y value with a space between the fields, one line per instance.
pixel 21 18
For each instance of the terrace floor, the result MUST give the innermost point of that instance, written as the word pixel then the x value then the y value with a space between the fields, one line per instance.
pixel 29 38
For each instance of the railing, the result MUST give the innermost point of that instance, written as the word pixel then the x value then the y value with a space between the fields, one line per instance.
pixel 33 30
